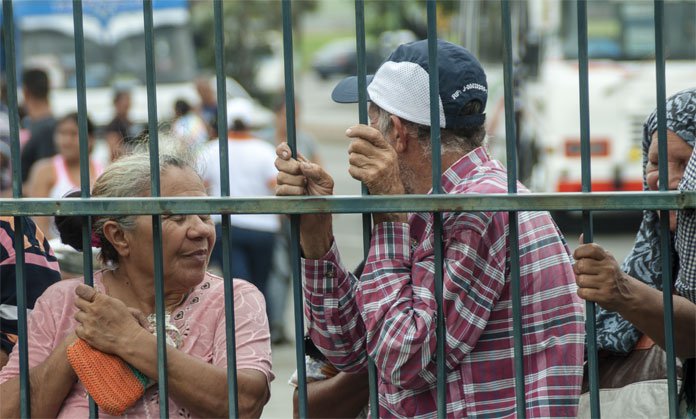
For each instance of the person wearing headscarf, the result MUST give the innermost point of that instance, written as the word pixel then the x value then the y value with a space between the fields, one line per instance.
pixel 630 296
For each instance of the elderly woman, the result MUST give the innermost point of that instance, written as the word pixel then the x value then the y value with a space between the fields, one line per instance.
pixel 111 316
pixel 630 296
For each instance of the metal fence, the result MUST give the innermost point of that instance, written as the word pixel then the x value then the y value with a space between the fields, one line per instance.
pixel 437 202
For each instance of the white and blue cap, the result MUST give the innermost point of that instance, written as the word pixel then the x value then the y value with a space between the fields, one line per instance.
pixel 401 85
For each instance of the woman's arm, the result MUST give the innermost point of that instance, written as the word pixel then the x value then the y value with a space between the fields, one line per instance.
pixel 208 397
pixel 107 325
pixel 50 383
pixel 601 280
pixel 41 179
pixel 341 396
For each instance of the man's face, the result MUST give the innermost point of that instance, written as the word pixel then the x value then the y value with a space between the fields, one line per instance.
pixel 678 155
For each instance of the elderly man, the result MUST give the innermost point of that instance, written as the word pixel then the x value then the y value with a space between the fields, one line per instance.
pixel 389 313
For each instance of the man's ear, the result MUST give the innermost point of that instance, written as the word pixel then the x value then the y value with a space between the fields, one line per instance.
pixel 117 237
pixel 401 136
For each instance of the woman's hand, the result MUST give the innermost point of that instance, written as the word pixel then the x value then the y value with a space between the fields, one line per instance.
pixel 106 323
pixel 600 279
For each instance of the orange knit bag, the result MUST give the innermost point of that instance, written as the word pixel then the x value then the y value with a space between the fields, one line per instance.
pixel 113 384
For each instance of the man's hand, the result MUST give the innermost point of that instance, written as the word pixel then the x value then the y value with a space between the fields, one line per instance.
pixel 373 161
pixel 600 279
pixel 298 177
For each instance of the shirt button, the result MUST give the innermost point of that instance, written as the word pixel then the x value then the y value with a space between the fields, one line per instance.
pixel 330 274
pixel 414 243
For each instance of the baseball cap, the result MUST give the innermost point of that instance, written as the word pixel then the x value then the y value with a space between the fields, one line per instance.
pixel 239 109
pixel 401 85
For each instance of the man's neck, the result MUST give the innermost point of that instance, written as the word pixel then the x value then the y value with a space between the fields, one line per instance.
pixel 38 109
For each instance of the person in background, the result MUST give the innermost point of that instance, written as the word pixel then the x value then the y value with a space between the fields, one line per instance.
pixel 207 108
pixel 56 176
pixel 251 173
pixel 281 274
pixel 389 313
pixel 119 132
pixel 630 294
pixel 188 126
pixel 39 120
pixel 115 319
pixel 5 152
pixel 41 271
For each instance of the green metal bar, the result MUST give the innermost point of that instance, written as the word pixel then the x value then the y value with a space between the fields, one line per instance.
pixel 84 155
pixel 366 217
pixel 294 219
pixel 153 143
pixel 232 384
pixel 665 235
pixel 22 332
pixel 12 103
pixel 511 152
pixel 590 308
pixel 440 332
pixel 595 201
pixel 20 273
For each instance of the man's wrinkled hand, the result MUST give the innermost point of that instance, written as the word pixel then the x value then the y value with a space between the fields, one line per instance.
pixel 373 161
pixel 297 177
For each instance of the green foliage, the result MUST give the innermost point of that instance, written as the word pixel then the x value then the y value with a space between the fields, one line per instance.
pixel 250 26
pixel 389 15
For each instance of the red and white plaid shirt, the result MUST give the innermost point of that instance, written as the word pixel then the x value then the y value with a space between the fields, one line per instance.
pixel 391 310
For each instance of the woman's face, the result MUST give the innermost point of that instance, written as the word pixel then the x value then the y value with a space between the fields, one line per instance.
pixel 678 155
pixel 67 138
pixel 187 240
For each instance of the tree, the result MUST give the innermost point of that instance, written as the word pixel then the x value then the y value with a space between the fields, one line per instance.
pixel 248 25
pixel 389 15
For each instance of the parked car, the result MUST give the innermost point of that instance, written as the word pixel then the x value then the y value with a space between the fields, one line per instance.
pixel 339 58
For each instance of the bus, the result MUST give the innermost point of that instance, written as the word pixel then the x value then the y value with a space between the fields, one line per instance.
pixel 114 43
pixel 622 88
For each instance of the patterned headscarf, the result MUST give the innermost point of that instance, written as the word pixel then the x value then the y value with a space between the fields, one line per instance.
pixel 614 333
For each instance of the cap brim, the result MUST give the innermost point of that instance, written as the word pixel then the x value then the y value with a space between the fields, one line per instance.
pixel 346 91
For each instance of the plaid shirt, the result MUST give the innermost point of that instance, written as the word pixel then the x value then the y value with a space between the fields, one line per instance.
pixel 686 237
pixel 391 310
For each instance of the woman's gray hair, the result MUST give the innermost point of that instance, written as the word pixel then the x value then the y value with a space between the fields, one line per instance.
pixel 459 141
pixel 129 176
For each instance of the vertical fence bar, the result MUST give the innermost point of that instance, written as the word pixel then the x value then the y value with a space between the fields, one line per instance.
pixel 221 80
pixel 511 154
pixel 84 154
pixel 294 219
pixel 20 283
pixel 156 219
pixel 665 235
pixel 437 216
pixel 366 217
pixel 590 313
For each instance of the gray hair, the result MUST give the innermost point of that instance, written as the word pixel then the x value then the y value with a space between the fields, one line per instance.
pixel 129 176
pixel 460 141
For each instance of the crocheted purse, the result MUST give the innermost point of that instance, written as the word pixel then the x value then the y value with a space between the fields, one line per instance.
pixel 113 384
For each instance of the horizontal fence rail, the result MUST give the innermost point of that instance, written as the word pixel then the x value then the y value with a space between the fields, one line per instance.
pixel 595 201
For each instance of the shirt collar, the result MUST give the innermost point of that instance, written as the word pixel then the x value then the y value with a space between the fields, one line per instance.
pixel 463 168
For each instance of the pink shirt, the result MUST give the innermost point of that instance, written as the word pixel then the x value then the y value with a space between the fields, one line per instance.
pixel 200 319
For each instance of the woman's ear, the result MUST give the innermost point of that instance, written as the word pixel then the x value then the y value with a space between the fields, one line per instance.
pixel 117 237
